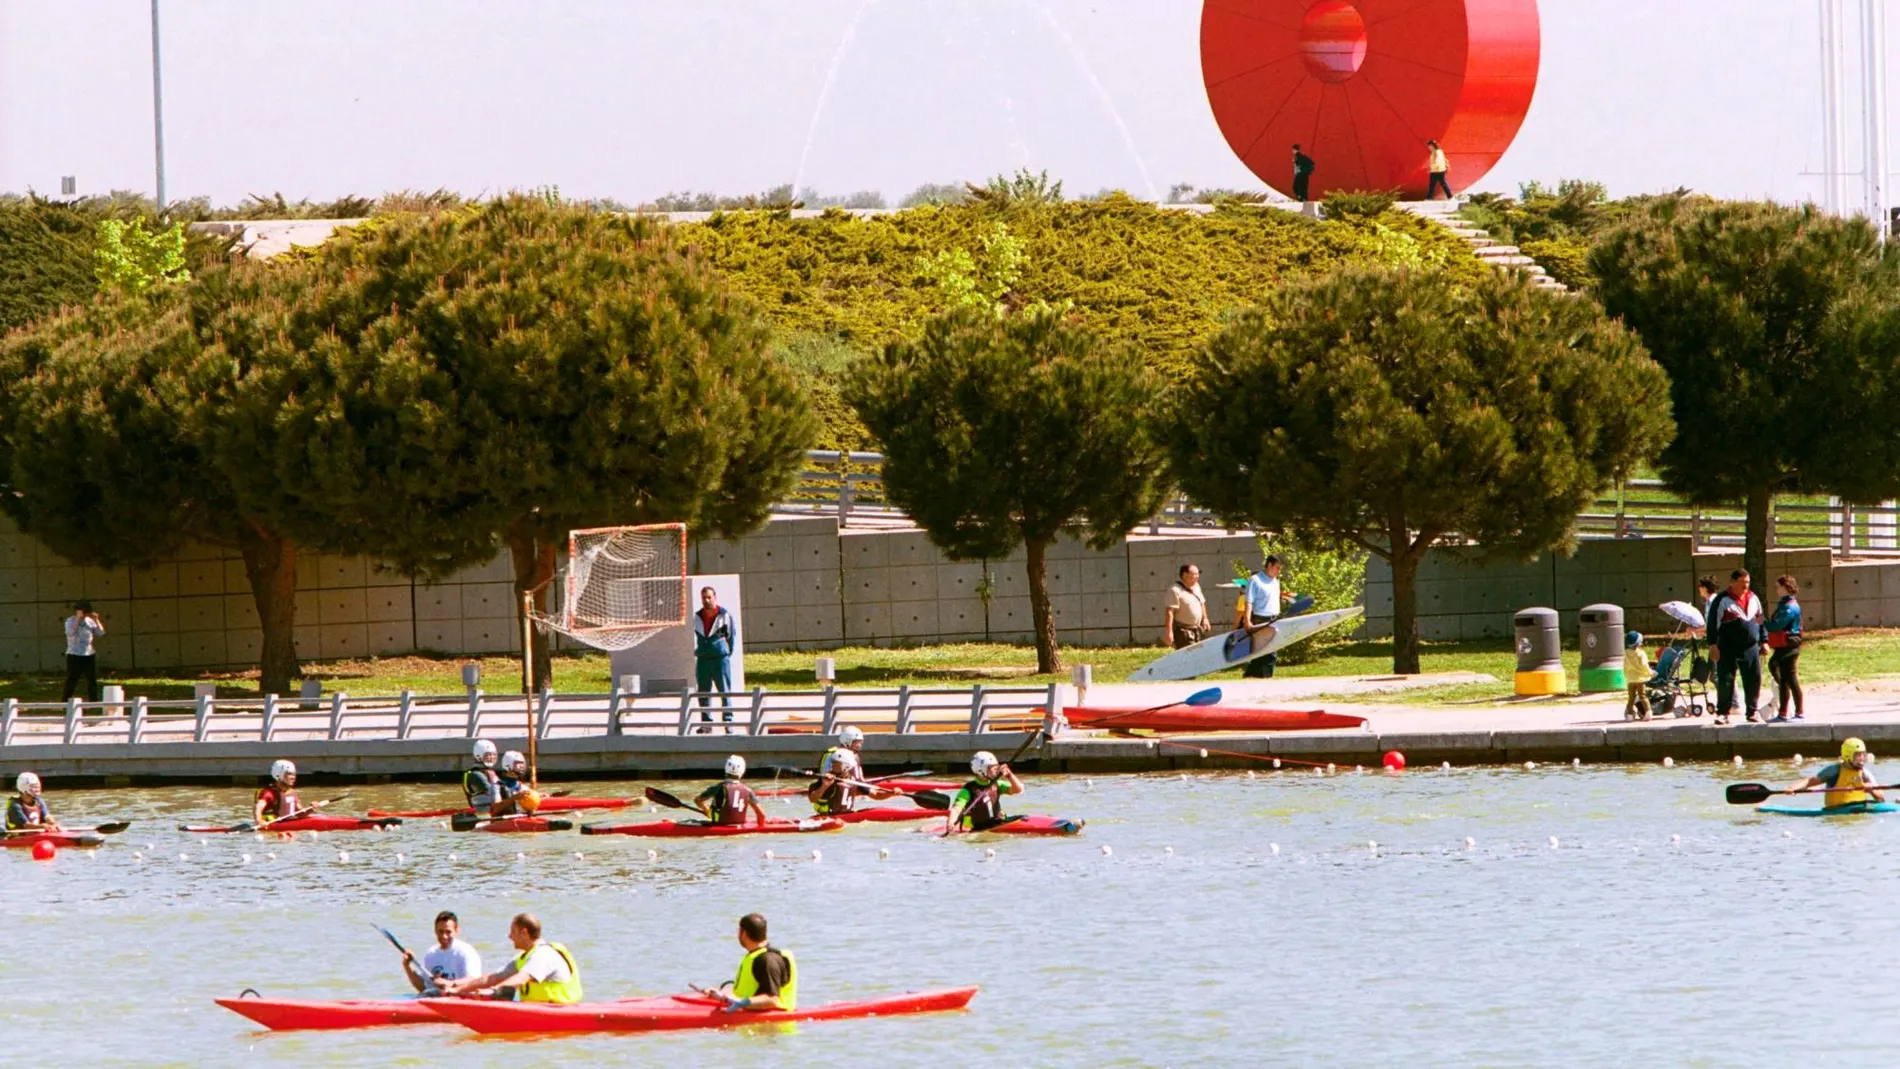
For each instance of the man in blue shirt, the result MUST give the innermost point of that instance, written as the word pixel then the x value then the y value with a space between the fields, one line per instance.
pixel 714 635
pixel 1264 601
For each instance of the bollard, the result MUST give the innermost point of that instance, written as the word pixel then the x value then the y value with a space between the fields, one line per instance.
pixel 1600 637
pixel 1540 666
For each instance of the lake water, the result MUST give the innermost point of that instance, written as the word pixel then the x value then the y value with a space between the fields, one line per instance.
pixel 1754 940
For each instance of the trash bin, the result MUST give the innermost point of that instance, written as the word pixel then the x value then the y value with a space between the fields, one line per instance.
pixel 1600 637
pixel 1540 663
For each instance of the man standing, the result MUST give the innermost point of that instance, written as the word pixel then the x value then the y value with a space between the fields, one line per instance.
pixel 713 637
pixel 1187 610
pixel 81 628
pixel 1302 175
pixel 1440 167
pixel 1264 599
pixel 1735 621
pixel 449 959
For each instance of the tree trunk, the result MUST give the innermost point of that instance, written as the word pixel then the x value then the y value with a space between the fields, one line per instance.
pixel 1042 614
pixel 1405 613
pixel 1755 542
pixel 534 560
pixel 270 562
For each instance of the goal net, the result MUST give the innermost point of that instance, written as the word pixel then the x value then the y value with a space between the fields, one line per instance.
pixel 622 585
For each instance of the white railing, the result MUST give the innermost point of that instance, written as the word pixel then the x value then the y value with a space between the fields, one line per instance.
pixel 340 717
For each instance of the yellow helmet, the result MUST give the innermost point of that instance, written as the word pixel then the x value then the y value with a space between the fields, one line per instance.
pixel 1852 747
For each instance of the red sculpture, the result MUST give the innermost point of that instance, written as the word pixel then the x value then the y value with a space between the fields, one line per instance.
pixel 1361 85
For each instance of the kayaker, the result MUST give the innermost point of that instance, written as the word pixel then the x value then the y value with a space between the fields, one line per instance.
pixel 542 972
pixel 279 798
pixel 482 783
pixel 979 804
pixel 28 810
pixel 1847 780
pixel 840 771
pixel 449 959
pixel 768 976
pixel 513 795
pixel 728 801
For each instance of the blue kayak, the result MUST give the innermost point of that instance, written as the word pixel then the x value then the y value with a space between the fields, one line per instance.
pixel 1856 809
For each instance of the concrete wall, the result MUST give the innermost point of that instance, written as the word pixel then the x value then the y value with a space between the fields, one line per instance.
pixel 809 585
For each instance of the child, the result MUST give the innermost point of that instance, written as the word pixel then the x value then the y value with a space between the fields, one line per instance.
pixel 1636 673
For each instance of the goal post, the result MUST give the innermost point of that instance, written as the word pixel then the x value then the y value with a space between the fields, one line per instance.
pixel 621 585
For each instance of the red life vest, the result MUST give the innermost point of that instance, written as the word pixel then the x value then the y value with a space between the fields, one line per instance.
pixel 278 803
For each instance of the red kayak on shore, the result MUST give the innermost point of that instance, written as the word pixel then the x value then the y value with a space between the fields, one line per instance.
pixel 310 823
pixel 1208 718
pixel 548 805
pixel 688 829
pixel 679 1012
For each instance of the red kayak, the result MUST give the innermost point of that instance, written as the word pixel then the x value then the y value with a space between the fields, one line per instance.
pixel 515 825
pixel 1034 825
pixel 886 815
pixel 1208 718
pixel 287 1014
pixel 682 1011
pixel 61 839
pixel 905 785
pixel 548 805
pixel 316 822
pixel 687 829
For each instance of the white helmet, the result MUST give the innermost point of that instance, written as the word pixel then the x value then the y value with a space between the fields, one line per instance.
pixel 27 783
pixel 851 736
pixel 735 766
pixel 512 760
pixel 983 763
pixel 485 751
pixel 280 770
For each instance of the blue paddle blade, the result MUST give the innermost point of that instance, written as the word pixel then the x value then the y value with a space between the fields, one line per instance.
pixel 1203 697
pixel 391 938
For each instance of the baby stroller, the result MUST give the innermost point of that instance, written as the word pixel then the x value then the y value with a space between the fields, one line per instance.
pixel 1680 685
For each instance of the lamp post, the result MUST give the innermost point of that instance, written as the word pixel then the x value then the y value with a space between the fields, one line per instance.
pixel 158 111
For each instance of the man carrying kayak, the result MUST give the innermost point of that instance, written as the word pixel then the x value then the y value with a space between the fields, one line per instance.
pixel 1847 780
pixel 979 805
pixel 278 799
pixel 27 811
pixel 841 775
pixel 481 784
pixel 449 959
pixel 542 972
pixel 768 977
pixel 728 801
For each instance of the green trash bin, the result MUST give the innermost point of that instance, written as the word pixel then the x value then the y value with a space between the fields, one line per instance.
pixel 1600 637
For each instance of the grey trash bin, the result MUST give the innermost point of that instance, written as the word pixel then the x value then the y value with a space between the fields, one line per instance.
pixel 1540 664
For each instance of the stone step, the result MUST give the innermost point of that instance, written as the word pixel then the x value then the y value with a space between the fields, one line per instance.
pixel 1512 261
pixel 1494 249
pixel 1469 233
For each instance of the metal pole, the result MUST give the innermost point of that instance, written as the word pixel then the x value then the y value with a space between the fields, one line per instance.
pixel 527 686
pixel 158 111
pixel 1874 79
pixel 1833 134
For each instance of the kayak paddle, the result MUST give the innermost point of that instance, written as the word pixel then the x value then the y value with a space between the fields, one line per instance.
pixel 392 939
pixel 654 794
pixel 1754 793
pixel 1210 696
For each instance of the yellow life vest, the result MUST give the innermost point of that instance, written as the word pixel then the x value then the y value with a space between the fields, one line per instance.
pixel 745 985
pixel 1846 789
pixel 552 991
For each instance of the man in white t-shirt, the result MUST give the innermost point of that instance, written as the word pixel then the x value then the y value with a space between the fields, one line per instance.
pixel 449 959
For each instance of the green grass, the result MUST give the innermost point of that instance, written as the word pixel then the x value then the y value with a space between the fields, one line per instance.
pixel 1829 656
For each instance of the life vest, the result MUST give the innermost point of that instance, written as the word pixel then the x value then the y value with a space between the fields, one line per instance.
pixel 746 985
pixel 481 782
pixel 548 990
pixel 837 798
pixel 30 813
pixel 1846 789
pixel 986 805
pixel 278 803
pixel 729 803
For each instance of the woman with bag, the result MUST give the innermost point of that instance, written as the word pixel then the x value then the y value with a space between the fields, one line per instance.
pixel 1784 644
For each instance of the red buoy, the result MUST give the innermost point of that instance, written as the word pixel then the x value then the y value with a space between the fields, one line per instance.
pixel 1394 761
pixel 44 850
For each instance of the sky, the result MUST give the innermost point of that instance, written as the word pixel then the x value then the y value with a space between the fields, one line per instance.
pixel 630 99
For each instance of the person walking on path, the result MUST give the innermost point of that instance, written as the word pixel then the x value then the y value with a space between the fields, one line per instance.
pixel 1735 623
pixel 1784 643
pixel 1302 175
pixel 1439 167
pixel 1264 601
pixel 1636 673
pixel 1187 610
pixel 714 636
pixel 82 627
